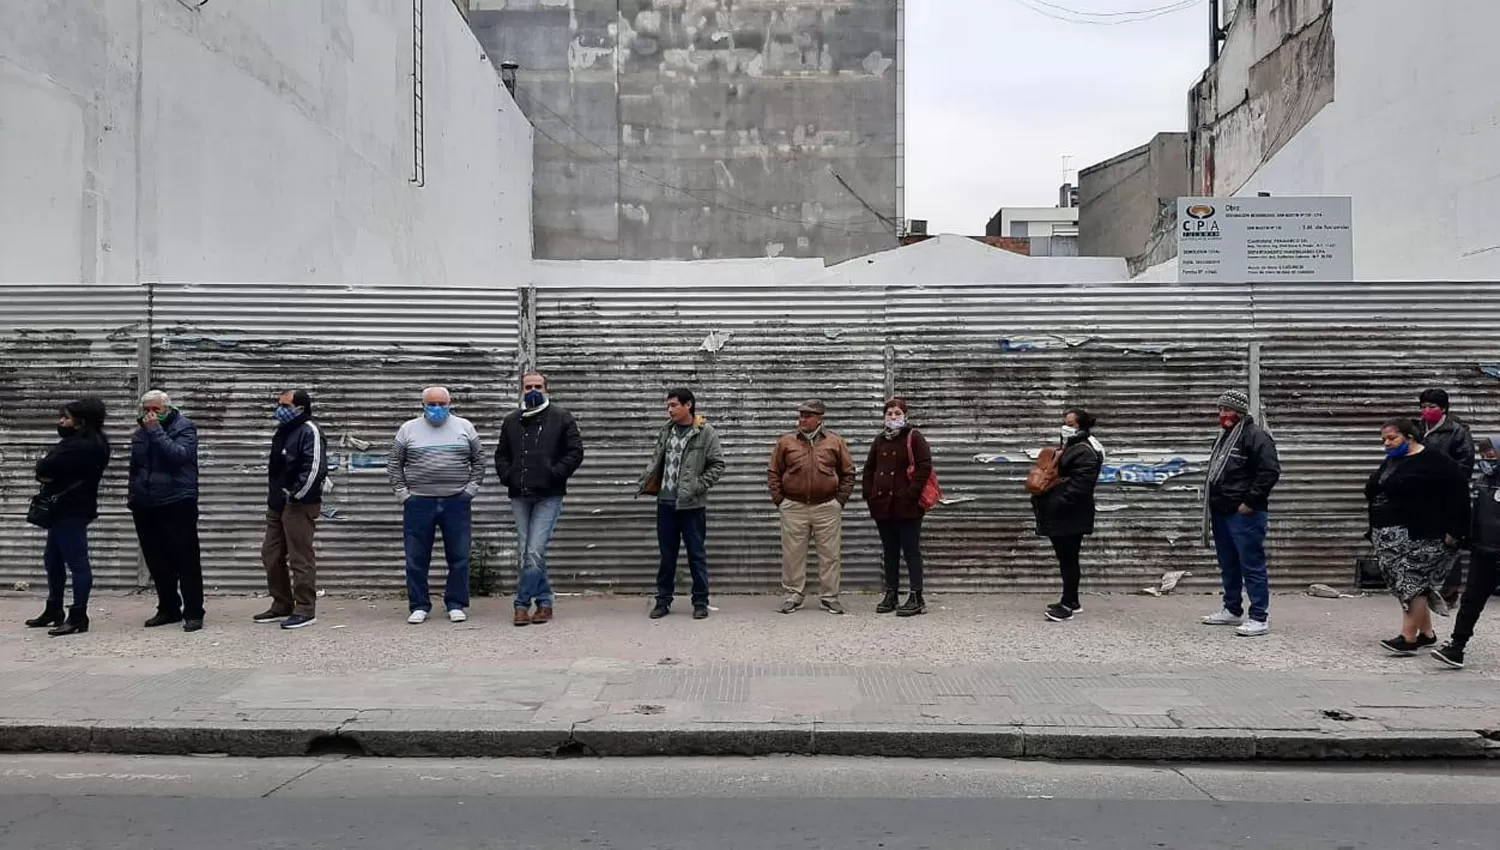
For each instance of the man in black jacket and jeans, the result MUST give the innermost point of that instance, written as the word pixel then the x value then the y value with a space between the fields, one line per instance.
pixel 1241 472
pixel 1447 435
pixel 540 449
pixel 295 472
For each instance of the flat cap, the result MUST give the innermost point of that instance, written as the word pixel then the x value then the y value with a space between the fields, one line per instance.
pixel 813 405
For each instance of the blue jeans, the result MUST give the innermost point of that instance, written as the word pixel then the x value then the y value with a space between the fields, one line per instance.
pixel 535 521
pixel 1240 541
pixel 68 549
pixel 674 528
pixel 424 515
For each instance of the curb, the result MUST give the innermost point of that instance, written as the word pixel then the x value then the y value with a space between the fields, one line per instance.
pixel 607 738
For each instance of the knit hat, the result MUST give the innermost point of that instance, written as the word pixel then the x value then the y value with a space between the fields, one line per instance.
pixel 1234 400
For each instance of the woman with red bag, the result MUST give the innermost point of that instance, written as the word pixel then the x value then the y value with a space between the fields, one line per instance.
pixel 897 476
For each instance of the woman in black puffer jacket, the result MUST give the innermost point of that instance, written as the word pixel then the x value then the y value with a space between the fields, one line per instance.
pixel 71 472
pixel 1066 512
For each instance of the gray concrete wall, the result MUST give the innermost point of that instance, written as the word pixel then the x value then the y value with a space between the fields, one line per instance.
pixel 705 129
pixel 1121 198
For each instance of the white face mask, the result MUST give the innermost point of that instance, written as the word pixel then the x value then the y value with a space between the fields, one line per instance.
pixel 1067 432
pixel 896 424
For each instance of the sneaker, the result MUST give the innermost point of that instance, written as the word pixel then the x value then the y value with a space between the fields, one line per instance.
pixel 700 612
pixel 790 606
pixel 1254 628
pixel 1426 640
pixel 298 621
pixel 417 616
pixel 457 615
pixel 1059 613
pixel 1451 654
pixel 1400 646
pixel 1223 618
pixel 661 610
pixel 271 616
pixel 832 606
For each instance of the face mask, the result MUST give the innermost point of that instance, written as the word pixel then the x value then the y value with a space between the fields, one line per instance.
pixel 896 424
pixel 534 399
pixel 1399 451
pixel 1487 468
pixel 435 413
pixel 286 414
pixel 1228 420
pixel 1067 432
pixel 1433 415
pixel 66 431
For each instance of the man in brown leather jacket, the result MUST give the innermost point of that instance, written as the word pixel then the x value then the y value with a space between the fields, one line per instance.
pixel 811 477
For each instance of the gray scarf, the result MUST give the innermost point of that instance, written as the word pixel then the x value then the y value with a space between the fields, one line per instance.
pixel 1216 464
pixel 528 412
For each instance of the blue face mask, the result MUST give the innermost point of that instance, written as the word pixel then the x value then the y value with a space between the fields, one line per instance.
pixel 1399 451
pixel 534 399
pixel 437 414
pixel 286 414
pixel 1488 468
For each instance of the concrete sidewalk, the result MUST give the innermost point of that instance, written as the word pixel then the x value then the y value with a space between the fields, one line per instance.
pixel 1132 678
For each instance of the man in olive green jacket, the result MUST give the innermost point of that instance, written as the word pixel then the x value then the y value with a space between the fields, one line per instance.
pixel 687 463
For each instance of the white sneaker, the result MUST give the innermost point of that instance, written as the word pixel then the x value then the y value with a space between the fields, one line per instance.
pixel 1223 618
pixel 457 615
pixel 1253 628
pixel 417 616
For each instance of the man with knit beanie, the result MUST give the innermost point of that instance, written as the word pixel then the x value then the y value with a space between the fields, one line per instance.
pixel 1241 473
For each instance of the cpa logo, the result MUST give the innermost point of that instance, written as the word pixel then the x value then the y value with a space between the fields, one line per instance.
pixel 1200 221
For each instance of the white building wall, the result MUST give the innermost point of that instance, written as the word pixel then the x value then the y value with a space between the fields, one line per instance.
pixel 1415 142
pixel 255 141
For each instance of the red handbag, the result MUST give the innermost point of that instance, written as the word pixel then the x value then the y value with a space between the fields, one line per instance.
pixel 932 492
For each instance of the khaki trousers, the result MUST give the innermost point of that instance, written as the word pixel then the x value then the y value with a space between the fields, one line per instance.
pixel 287 554
pixel 821 525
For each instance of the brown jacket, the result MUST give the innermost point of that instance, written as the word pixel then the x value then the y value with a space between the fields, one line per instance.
pixel 889 491
pixel 811 472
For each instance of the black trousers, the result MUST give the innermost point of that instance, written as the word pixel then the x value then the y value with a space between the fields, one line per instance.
pixel 1484 575
pixel 1068 549
pixel 169 542
pixel 900 537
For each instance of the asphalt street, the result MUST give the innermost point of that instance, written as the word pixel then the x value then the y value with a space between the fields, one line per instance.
pixel 299 804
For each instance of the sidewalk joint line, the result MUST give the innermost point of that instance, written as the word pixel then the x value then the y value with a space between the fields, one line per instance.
pixel 1196 787
pixel 294 779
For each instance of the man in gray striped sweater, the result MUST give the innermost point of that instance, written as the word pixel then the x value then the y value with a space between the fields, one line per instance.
pixel 436 466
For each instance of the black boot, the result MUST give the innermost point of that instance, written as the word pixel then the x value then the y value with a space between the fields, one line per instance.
pixel 888 602
pixel 78 621
pixel 912 606
pixel 52 616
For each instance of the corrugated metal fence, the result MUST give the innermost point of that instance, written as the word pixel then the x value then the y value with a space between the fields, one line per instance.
pixel 988 371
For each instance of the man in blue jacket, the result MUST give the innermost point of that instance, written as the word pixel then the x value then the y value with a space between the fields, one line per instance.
pixel 295 472
pixel 164 502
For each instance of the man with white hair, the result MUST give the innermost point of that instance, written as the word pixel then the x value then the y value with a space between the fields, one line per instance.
pixel 164 503
pixel 436 465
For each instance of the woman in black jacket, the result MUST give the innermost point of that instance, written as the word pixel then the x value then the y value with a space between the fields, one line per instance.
pixel 71 472
pixel 1066 512
pixel 1419 511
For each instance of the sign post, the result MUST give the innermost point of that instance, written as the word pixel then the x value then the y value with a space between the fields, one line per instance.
pixel 1247 240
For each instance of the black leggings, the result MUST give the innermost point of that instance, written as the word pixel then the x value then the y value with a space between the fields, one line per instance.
pixel 1067 549
pixel 898 537
pixel 1483 577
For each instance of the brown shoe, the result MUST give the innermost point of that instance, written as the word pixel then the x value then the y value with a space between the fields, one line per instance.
pixel 543 615
pixel 523 617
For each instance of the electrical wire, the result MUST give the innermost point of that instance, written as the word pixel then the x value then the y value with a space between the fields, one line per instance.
pixel 1120 14
pixel 1104 19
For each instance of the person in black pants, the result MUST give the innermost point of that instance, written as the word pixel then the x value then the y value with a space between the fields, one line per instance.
pixel 70 473
pixel 1484 545
pixel 895 473
pixel 164 503
pixel 1065 513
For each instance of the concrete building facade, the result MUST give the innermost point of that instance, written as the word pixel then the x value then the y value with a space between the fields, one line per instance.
pixel 1048 231
pixel 707 129
pixel 166 140
pixel 1121 199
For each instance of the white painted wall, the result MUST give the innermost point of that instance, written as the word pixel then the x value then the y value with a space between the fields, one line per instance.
pixel 1039 221
pixel 1415 142
pixel 609 274
pixel 952 259
pixel 255 141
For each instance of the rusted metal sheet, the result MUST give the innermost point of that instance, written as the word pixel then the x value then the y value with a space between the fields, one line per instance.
pixel 59 343
pixel 989 371
pixel 750 355
pixel 224 351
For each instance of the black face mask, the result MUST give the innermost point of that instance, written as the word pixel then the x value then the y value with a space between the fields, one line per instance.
pixel 66 431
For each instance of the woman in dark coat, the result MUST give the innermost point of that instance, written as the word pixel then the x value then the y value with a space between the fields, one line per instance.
pixel 895 473
pixel 71 472
pixel 1419 512
pixel 1065 514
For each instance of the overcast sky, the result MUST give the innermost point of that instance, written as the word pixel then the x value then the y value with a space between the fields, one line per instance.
pixel 997 94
